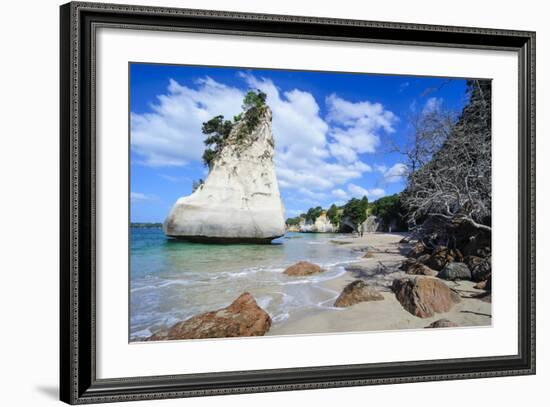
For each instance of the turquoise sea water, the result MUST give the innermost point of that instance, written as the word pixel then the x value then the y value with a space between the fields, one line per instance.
pixel 171 280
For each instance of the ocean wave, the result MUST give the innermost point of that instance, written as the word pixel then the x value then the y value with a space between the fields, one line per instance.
pixel 280 317
pixel 143 333
pixel 163 284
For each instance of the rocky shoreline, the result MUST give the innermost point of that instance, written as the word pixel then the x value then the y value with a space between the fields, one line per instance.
pixel 390 286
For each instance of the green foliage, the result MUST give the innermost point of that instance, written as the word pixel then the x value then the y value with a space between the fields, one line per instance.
pixel 208 156
pixel 218 130
pixel 333 214
pixel 294 221
pixel 389 208
pixel 313 213
pixel 253 107
pixel 254 99
pixel 356 210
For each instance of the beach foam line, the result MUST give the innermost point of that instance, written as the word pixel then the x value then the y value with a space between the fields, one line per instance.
pixel 167 283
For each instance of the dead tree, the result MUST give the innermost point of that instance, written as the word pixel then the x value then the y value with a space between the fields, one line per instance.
pixel 454 186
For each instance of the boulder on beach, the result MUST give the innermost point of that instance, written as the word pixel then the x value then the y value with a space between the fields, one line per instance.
pixel 242 318
pixel 303 268
pixel 420 269
pixel 441 256
pixel 455 271
pixel 418 249
pixel 423 258
pixel 412 266
pixel 480 267
pixel 239 201
pixel 355 292
pixel 481 285
pixel 442 323
pixel 424 296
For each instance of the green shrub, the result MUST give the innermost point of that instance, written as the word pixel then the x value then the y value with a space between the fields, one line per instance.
pixel 356 210
pixel 390 209
pixel 218 130
pixel 313 213
pixel 334 214
pixel 294 221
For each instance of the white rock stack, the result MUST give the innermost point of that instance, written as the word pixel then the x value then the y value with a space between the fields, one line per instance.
pixel 239 202
pixel 321 225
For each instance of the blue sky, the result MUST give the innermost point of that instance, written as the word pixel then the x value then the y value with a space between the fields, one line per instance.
pixel 333 131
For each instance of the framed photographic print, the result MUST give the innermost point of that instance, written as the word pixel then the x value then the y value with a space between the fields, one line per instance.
pixel 247 200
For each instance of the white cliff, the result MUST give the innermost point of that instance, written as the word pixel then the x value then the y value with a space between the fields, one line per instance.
pixel 321 225
pixel 239 201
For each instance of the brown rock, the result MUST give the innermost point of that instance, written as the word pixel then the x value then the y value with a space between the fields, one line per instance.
pixel 412 266
pixel 424 296
pixel 481 285
pixel 303 268
pixel 418 249
pixel 480 267
pixel 423 259
pixel 473 261
pixel 442 323
pixel 407 263
pixel 441 256
pixel 420 269
pixel 242 318
pixel 355 292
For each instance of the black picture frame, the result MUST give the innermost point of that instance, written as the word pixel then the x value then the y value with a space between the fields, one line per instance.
pixel 78 382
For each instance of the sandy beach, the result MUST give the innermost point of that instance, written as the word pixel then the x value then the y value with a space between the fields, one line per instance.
pixel 383 254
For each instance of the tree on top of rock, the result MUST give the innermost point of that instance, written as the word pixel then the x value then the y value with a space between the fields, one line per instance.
pixel 218 130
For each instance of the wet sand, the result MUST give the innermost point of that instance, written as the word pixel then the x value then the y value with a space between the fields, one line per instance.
pixel 384 254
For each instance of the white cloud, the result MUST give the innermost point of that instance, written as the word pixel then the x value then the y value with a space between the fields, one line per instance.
pixel 380 168
pixel 290 213
pixel 141 197
pixel 358 192
pixel 356 126
pixel 376 193
pixel 314 157
pixel 433 104
pixel 171 135
pixel 304 155
pixel 175 179
pixel 395 174
pixel 312 194
pixel 340 193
